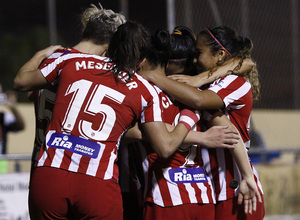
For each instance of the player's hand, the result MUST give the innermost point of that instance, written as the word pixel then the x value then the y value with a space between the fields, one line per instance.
pixel 45 53
pixel 221 136
pixel 189 80
pixel 249 194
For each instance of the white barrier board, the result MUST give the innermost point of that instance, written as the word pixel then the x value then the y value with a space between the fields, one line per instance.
pixel 14 196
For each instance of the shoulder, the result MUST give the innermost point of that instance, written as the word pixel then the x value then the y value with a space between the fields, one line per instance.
pixel 147 90
pixel 144 83
pixel 229 81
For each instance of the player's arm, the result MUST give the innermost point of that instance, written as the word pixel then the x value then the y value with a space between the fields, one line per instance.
pixel 214 137
pixel 224 70
pixel 133 134
pixel 184 93
pixel 29 76
pixel 165 143
pixel 191 96
pixel 248 189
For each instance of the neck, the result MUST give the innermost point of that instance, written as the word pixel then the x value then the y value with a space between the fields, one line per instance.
pixel 91 48
pixel 174 69
pixel 156 70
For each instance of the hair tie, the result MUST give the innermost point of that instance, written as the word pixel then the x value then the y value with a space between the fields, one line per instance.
pixel 177 32
pixel 177 60
pixel 218 41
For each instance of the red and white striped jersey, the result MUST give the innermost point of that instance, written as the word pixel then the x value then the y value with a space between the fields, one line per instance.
pixel 92 111
pixel 44 100
pixel 236 94
pixel 180 179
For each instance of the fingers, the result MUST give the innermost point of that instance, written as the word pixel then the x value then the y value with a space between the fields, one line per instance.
pixel 228 146
pixel 231 130
pixel 176 76
pixel 230 139
pixel 250 206
pixel 179 78
pixel 233 133
pixel 246 205
pixel 240 199
pixel 51 49
pixel 258 196
pixel 227 130
pixel 55 47
pixel 254 204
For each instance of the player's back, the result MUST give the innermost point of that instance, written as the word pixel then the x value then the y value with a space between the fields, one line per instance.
pixel 92 111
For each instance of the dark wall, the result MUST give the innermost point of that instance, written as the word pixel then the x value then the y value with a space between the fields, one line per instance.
pixel 24 30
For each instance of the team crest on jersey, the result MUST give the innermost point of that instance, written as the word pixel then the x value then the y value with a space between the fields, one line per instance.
pixel 188 175
pixel 74 144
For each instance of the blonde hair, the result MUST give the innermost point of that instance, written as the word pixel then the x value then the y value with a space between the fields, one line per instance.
pixel 94 12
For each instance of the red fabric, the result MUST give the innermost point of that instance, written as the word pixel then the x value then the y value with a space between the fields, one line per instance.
pixel 59 194
pixel 91 104
pixel 182 212
pixel 160 189
pixel 230 210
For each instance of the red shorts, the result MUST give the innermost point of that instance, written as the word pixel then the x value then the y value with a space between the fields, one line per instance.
pixel 186 211
pixel 230 210
pixel 60 194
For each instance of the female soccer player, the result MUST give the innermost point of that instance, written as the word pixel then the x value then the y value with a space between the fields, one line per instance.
pixel 177 187
pixel 44 99
pixel 234 95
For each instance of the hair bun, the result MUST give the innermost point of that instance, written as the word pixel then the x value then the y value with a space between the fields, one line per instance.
pixel 162 40
pixel 244 43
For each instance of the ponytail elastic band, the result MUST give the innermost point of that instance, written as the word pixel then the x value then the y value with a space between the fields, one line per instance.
pixel 218 41
pixel 182 59
pixel 177 32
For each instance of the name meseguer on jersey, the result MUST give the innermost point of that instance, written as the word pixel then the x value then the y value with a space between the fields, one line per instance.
pixel 103 66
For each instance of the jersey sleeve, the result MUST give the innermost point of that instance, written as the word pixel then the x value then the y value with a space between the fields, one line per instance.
pixel 151 106
pixel 231 89
pixel 50 67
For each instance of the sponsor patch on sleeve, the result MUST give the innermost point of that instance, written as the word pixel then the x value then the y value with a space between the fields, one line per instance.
pixel 74 144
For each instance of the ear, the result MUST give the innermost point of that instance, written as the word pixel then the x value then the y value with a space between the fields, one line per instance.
pixel 221 54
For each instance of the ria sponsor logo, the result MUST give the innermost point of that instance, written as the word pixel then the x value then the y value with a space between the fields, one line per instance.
pixel 61 142
pixel 74 144
pixel 187 175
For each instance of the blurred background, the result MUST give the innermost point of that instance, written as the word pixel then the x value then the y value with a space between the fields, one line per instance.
pixel 273 26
